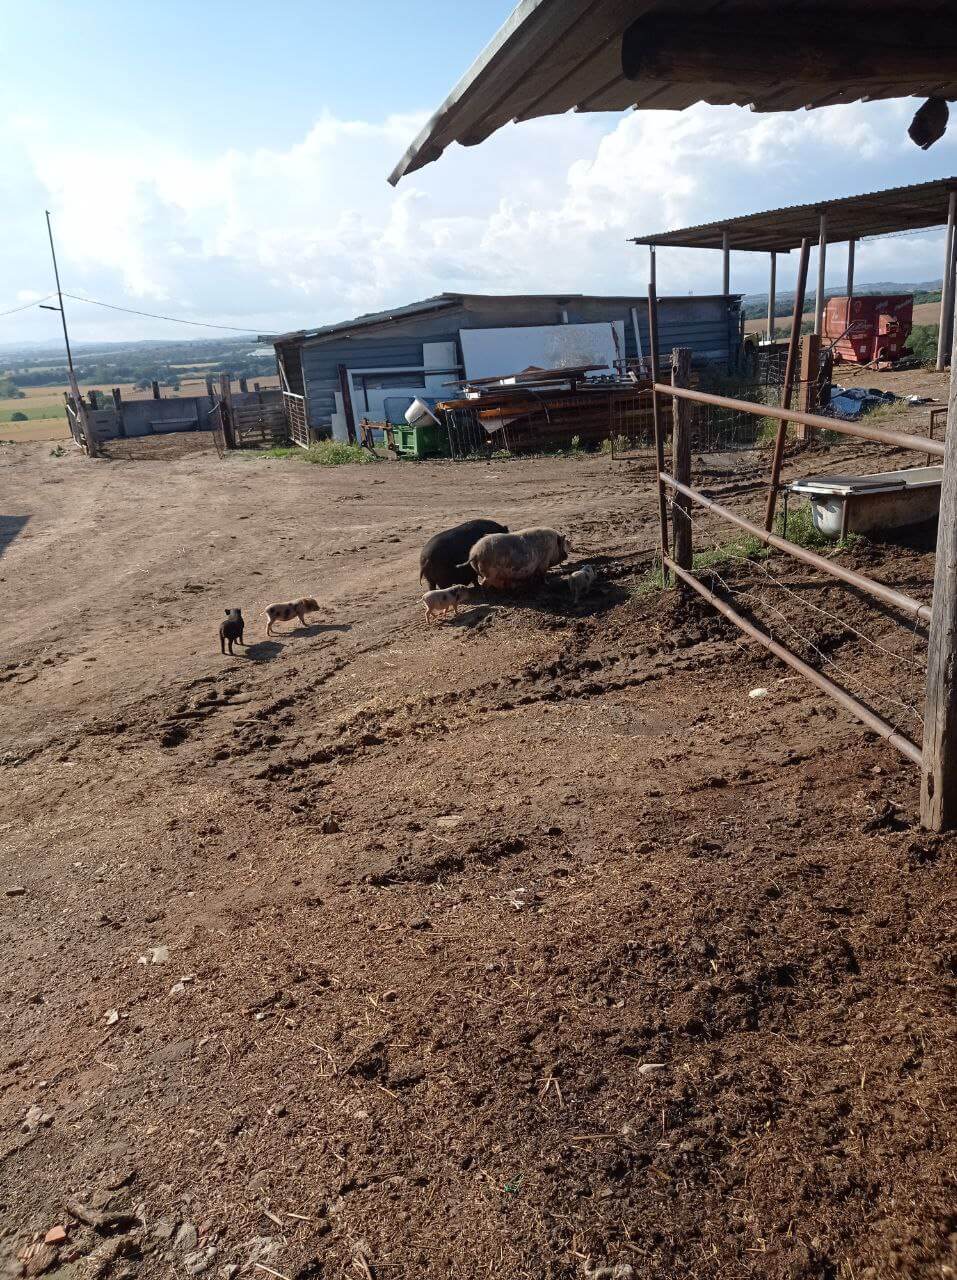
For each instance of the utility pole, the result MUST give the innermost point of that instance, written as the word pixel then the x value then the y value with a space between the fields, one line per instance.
pixel 84 421
pixel 59 294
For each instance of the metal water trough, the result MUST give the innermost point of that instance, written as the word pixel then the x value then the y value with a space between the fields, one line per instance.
pixel 871 503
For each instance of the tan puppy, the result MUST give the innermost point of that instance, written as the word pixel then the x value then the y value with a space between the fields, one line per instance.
pixel 286 612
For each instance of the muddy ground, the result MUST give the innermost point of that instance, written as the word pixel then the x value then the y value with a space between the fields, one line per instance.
pixel 524 945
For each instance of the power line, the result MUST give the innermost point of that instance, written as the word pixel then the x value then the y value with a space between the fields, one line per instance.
pixel 202 324
pixel 26 306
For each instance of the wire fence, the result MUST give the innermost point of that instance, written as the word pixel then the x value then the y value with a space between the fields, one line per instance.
pixel 894 680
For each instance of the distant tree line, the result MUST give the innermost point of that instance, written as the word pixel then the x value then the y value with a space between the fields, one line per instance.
pixel 756 309
pixel 140 363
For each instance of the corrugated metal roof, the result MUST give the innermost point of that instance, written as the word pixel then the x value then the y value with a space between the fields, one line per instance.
pixel 874 213
pixel 373 317
pixel 553 56
pixel 443 300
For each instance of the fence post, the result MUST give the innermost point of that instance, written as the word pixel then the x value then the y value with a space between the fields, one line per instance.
pixel 243 385
pixel 681 457
pixel 156 390
pixel 797 314
pixel 810 366
pixel 226 411
pixel 938 785
pixel 658 426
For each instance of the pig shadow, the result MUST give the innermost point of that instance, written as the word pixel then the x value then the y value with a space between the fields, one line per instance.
pixel 317 628
pixel 553 597
pixel 262 651
pixel 472 616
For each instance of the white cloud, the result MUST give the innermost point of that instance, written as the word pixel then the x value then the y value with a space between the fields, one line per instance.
pixel 278 238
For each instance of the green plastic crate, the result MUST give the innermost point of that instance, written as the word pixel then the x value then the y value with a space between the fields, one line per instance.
pixel 428 440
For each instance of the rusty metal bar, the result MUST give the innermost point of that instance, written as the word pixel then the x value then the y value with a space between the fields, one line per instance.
pixel 656 415
pixel 869 718
pixel 899 438
pixel 793 346
pixel 876 589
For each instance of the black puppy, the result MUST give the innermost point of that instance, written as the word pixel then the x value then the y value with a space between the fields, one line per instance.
pixel 231 630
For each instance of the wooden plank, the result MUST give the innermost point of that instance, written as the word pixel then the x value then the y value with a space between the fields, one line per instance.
pixel 226 401
pixel 345 389
pixel 810 365
pixel 938 790
pixel 681 457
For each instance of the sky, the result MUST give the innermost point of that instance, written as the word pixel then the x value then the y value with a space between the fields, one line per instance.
pixel 227 163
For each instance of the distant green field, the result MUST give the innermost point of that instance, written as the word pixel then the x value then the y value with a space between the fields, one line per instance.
pixel 32 409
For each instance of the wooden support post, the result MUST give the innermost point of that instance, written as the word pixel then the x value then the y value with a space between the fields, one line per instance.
pixel 725 263
pixel 86 427
pixel 851 245
pixel 772 295
pixel 658 428
pixel 117 399
pixel 681 457
pixel 938 788
pixel 347 401
pixel 799 291
pixel 947 285
pixel 255 386
pixel 243 385
pixel 91 396
pixel 226 409
pixel 156 390
pixel 810 367
pixel 821 264
pixel 209 389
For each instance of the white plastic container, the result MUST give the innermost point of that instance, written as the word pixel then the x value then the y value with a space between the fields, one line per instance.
pixel 418 413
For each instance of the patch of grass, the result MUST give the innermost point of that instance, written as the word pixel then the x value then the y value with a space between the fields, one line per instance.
pixel 324 453
pixel 652 581
pixel 27 412
pixel 801 529
pixel 727 553
pixel 58 452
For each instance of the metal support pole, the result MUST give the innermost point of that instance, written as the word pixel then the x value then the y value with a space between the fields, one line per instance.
pixel 821 262
pixel 652 267
pixel 772 295
pixel 725 263
pixel 851 245
pixel 658 426
pixel 947 285
pixel 795 342
pixel 938 787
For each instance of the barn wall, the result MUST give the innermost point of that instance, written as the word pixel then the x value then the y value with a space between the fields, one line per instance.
pixel 709 326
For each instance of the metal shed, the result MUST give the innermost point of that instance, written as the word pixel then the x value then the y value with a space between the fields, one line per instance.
pixel 336 375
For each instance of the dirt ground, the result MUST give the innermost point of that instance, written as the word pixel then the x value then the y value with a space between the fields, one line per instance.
pixel 529 944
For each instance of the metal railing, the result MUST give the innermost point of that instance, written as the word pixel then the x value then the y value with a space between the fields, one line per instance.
pixel 681 562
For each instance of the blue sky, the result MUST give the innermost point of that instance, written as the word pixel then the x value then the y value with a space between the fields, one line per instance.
pixel 228 162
